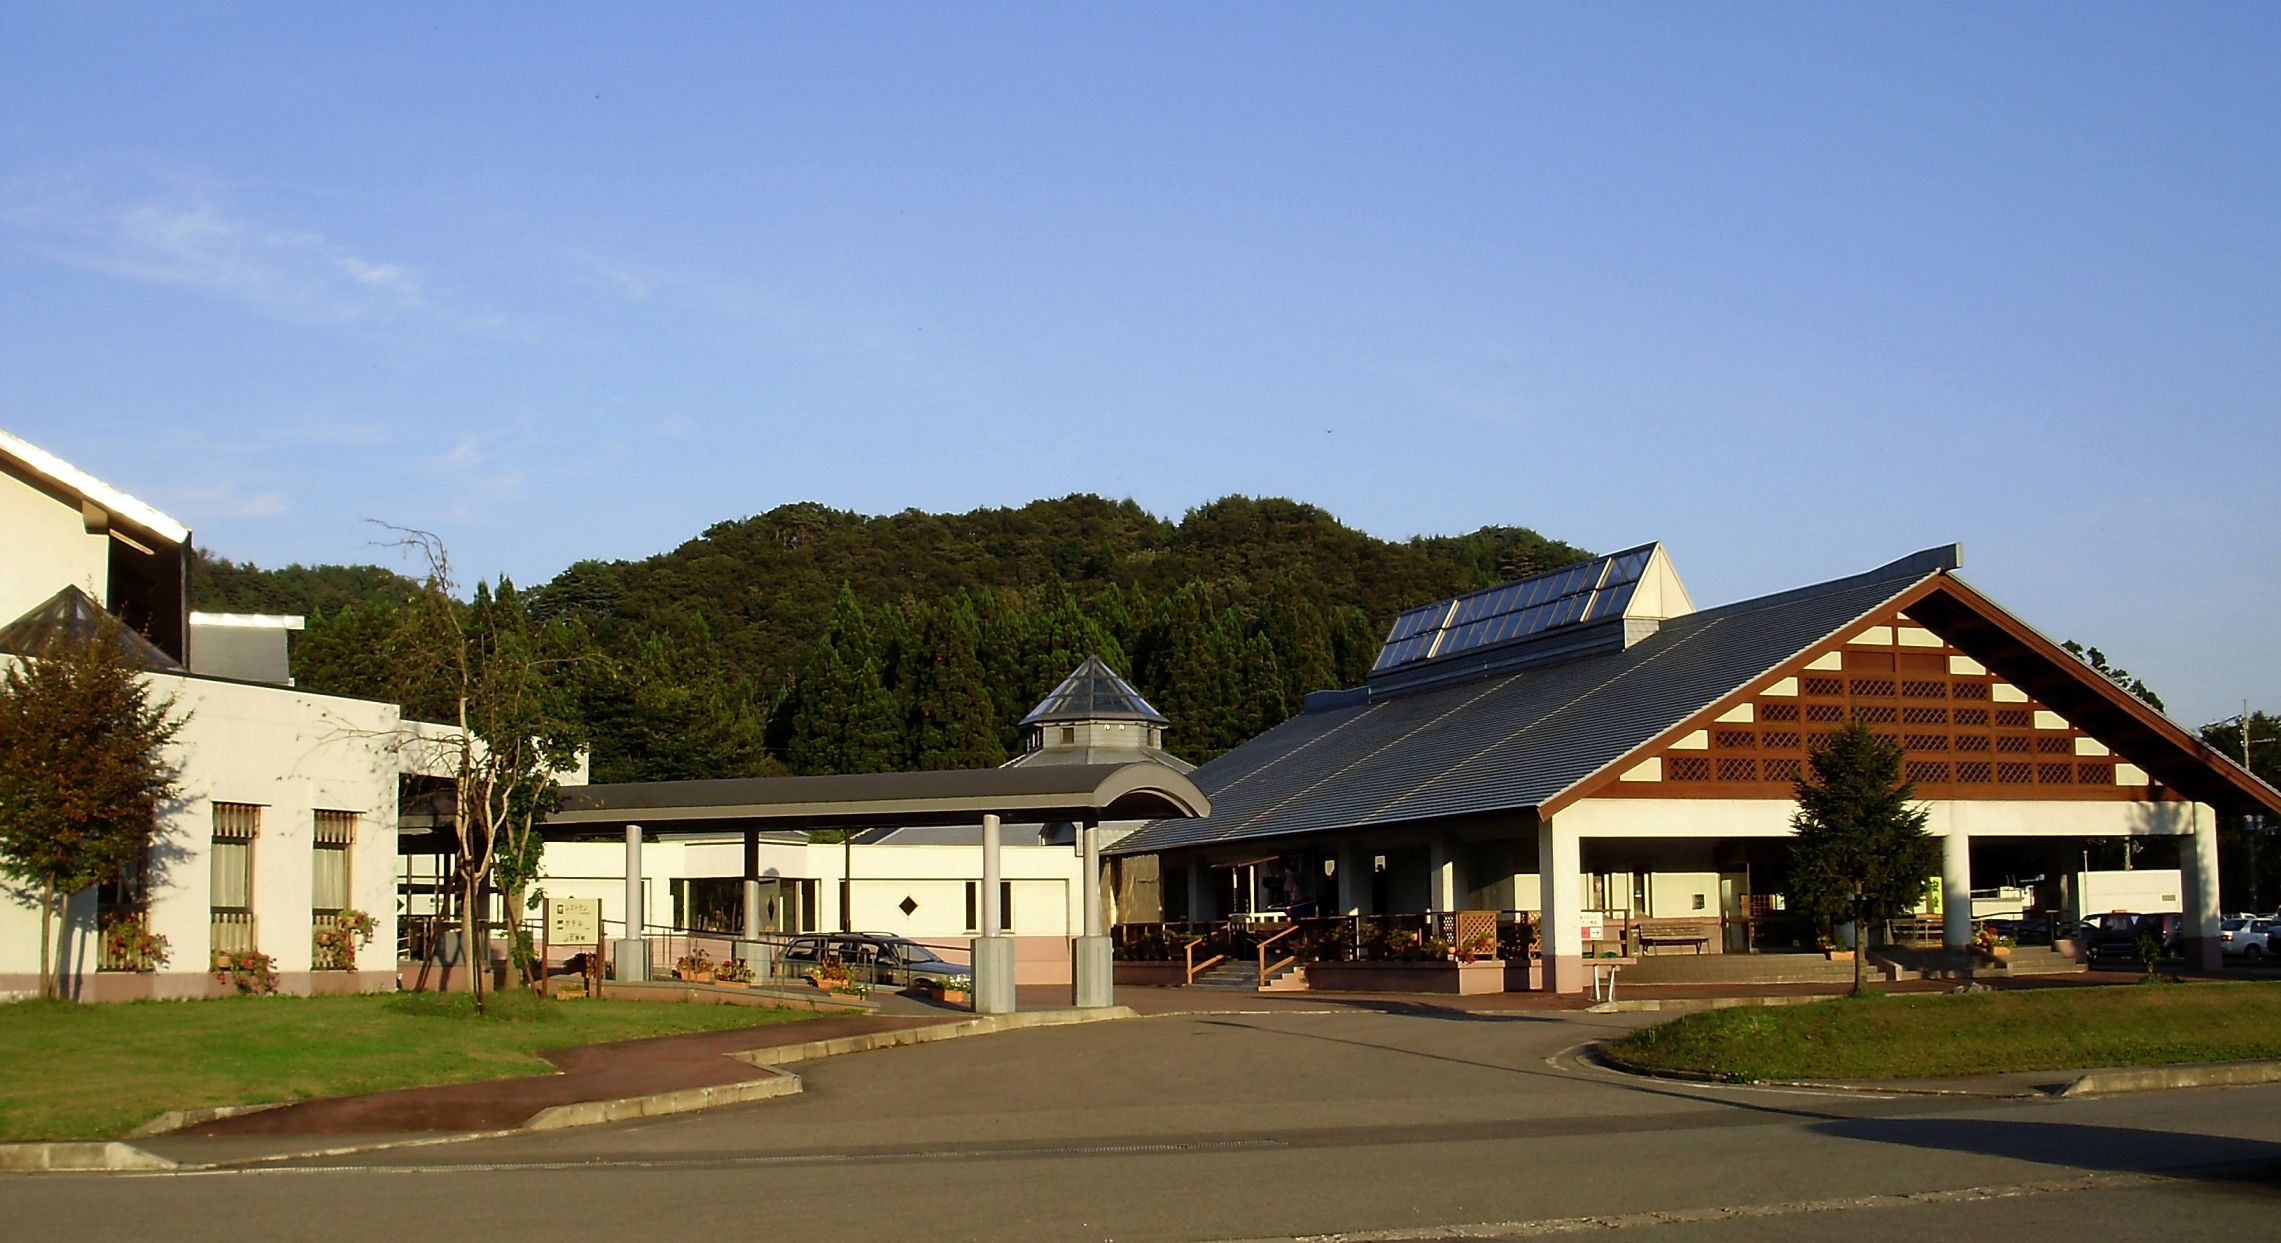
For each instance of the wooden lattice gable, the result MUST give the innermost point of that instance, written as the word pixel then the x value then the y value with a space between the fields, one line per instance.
pixel 1966 732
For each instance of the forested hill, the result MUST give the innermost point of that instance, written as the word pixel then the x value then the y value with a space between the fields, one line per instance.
pixel 818 640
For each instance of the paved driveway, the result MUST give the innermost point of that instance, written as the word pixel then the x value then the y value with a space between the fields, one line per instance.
pixel 1238 1126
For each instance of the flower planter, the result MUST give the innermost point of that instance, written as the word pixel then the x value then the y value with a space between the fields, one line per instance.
pixel 953 998
pixel 732 983
pixel 1838 955
pixel 1151 973
pixel 1465 979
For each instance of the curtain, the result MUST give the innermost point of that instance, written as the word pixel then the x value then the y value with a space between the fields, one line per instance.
pixel 328 884
pixel 233 875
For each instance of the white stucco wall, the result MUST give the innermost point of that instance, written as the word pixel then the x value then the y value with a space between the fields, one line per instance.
pixel 48 549
pixel 292 754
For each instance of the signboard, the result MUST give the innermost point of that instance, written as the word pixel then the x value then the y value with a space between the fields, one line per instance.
pixel 1595 926
pixel 574 921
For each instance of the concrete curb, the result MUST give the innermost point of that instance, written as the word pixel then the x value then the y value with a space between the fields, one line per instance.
pixel 1687 1005
pixel 35 1158
pixel 785 1055
pixel 175 1119
pixel 658 1104
pixel 2165 1078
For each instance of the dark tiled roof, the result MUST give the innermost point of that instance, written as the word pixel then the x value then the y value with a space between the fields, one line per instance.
pixel 1511 741
pixel 72 616
pixel 1093 692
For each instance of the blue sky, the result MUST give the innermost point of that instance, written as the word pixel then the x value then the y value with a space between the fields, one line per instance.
pixel 1795 289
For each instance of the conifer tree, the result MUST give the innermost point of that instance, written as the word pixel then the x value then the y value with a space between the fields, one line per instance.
pixel 1861 851
pixel 952 721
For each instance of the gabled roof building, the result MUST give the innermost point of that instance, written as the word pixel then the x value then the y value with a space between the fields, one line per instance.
pixel 1587 741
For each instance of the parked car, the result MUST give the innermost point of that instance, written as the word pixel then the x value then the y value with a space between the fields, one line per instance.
pixel 2246 938
pixel 877 957
pixel 2114 936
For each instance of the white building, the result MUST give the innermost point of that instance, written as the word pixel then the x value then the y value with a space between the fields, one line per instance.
pixel 288 805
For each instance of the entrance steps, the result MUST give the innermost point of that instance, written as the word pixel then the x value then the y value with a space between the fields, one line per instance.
pixel 1243 977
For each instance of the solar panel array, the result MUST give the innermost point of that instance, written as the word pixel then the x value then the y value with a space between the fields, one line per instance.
pixel 1593 590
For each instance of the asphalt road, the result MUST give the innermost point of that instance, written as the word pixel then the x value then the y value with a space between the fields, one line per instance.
pixel 1270 1126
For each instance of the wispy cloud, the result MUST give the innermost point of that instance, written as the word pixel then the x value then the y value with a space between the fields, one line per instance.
pixel 227 501
pixel 196 232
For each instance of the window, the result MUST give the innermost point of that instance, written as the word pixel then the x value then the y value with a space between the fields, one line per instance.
pixel 974 906
pixel 335 832
pixel 1068 734
pixel 231 867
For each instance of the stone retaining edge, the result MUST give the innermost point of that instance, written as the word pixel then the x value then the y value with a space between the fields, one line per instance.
pixel 59 1155
pixel 175 1119
pixel 2164 1078
pixel 785 1055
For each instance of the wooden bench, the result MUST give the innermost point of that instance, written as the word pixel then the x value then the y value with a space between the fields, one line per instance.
pixel 1673 934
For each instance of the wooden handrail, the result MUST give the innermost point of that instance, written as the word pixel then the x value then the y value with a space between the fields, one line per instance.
pixel 1284 962
pixel 1188 951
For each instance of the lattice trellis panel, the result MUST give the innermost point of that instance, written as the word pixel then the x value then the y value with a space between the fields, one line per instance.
pixel 1964 732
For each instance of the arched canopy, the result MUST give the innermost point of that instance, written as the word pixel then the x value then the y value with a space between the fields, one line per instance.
pixel 1142 790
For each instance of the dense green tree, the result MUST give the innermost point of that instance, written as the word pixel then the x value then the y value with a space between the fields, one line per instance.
pixel 1050 582
pixel 2250 863
pixel 2121 677
pixel 954 722
pixel 83 774
pixel 1861 853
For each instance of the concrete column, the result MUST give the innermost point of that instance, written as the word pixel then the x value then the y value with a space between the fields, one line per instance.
pixel 2198 873
pixel 1956 890
pixel 1441 875
pixel 1200 903
pixel 993 950
pixel 1560 871
pixel 630 954
pixel 752 884
pixel 1353 878
pixel 1093 964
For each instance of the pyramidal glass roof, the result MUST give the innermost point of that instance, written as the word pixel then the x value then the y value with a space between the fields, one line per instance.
pixel 1588 592
pixel 72 616
pixel 1093 692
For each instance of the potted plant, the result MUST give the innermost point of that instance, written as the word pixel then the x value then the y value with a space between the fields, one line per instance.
pixel 335 940
pixel 833 978
pixel 132 946
pixel 1832 950
pixel 955 990
pixel 250 972
pixel 733 973
pixel 1476 948
pixel 695 966
pixel 1991 943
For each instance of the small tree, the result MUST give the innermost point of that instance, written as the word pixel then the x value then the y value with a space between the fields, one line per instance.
pixel 1862 852
pixel 83 773
pixel 505 683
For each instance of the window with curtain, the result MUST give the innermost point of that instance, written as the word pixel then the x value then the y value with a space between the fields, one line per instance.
pixel 235 826
pixel 333 834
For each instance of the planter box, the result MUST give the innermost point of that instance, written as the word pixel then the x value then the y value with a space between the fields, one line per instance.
pixel 1465 979
pixel 1838 955
pixel 1148 973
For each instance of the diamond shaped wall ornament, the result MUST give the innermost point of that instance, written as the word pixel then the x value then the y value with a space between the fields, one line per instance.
pixel 906 906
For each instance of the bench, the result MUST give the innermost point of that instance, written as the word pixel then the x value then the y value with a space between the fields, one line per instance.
pixel 1673 934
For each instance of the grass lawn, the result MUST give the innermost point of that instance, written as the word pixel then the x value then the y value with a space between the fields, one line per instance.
pixel 99 1071
pixel 1930 1035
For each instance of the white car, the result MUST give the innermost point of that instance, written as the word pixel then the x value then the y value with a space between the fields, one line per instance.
pixel 2246 938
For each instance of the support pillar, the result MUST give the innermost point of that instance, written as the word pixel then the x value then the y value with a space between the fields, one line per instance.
pixel 2198 874
pixel 993 950
pixel 752 951
pixel 1560 873
pixel 1956 890
pixel 1441 875
pixel 1200 904
pixel 1353 878
pixel 1093 965
pixel 630 954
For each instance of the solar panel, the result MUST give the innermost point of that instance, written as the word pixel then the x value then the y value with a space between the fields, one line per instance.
pixel 1589 591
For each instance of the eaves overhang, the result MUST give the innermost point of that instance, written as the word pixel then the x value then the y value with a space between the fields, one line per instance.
pixel 1141 790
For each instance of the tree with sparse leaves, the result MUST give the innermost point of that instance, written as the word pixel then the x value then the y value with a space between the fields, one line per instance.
pixel 83 774
pixel 510 686
pixel 1861 851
